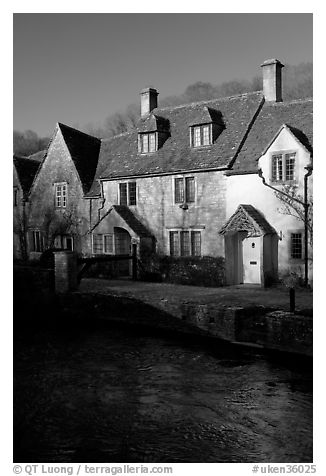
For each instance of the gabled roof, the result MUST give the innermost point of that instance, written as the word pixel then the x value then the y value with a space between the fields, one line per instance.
pixel 153 123
pixel 84 151
pixel 119 155
pixel 26 170
pixel 296 115
pixel 38 156
pixel 208 115
pixel 247 218
pixel 132 221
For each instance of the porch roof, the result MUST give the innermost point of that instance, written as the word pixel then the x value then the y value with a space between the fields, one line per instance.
pixel 247 218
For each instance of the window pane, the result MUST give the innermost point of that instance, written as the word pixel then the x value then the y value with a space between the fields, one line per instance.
pixel 97 244
pixel 178 190
pixel 195 243
pixel 122 243
pixel 123 193
pixel 145 143
pixel 68 243
pixel 197 140
pixel 132 193
pixel 58 195
pixel 277 168
pixel 108 244
pixel 206 135
pixel 152 143
pixel 64 195
pixel 185 244
pixel 174 243
pixel 190 189
pixel 296 245
pixel 61 195
pixel 37 241
pixel 289 166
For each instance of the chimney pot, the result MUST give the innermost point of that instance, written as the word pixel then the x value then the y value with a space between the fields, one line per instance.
pixel 272 80
pixel 148 101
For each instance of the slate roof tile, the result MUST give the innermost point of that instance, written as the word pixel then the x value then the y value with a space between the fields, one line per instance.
pixel 119 155
pixel 247 218
pixel 26 169
pixel 84 150
pixel 297 115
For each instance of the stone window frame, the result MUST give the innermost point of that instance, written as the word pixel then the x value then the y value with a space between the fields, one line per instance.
pixel 194 129
pixel 147 149
pixel 300 232
pixel 284 155
pixel 185 189
pixel 131 197
pixel 103 246
pixel 185 248
pixel 63 241
pixel 60 199
pixel 36 244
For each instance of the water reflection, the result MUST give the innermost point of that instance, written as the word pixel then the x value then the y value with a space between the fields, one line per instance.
pixel 108 395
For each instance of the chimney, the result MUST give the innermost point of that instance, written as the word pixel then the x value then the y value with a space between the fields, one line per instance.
pixel 148 101
pixel 272 80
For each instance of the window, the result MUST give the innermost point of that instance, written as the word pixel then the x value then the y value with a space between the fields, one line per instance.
pixel 283 167
pixel 37 242
pixel 174 243
pixel 61 195
pixel 296 245
pixel 201 135
pixel 185 243
pixel 128 193
pixel 195 243
pixel 103 244
pixel 147 143
pixel 65 242
pixel 15 197
pixel 184 189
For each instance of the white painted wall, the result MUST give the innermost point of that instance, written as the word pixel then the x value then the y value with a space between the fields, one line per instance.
pixel 249 189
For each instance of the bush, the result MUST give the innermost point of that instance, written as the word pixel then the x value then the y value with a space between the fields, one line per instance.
pixel 195 271
pixel 292 279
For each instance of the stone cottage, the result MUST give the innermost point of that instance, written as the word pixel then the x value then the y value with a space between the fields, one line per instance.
pixel 201 179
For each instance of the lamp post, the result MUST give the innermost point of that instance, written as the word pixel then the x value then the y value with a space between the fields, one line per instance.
pixel 305 205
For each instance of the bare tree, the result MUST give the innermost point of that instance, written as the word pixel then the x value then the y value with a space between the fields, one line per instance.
pixel 292 208
pixel 57 224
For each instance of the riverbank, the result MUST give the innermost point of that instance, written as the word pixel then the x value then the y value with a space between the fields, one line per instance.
pixel 244 315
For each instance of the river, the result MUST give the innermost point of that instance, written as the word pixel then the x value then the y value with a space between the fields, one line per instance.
pixel 104 393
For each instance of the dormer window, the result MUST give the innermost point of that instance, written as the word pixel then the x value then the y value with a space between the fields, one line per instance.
pixel 148 143
pixel 206 127
pixel 201 135
pixel 283 167
pixel 153 131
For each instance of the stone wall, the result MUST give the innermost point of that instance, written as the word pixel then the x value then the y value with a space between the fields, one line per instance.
pixel 77 217
pixel 157 211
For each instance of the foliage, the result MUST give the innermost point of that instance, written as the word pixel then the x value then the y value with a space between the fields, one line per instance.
pixel 64 223
pixel 28 142
pixel 195 271
pixel 292 278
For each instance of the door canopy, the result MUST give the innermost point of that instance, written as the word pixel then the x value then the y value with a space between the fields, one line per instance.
pixel 247 218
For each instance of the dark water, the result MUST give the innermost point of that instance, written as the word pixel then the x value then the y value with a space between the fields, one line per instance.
pixel 105 394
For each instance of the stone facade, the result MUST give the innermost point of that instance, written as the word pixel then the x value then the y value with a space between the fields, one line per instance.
pixel 97 196
pixel 156 208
